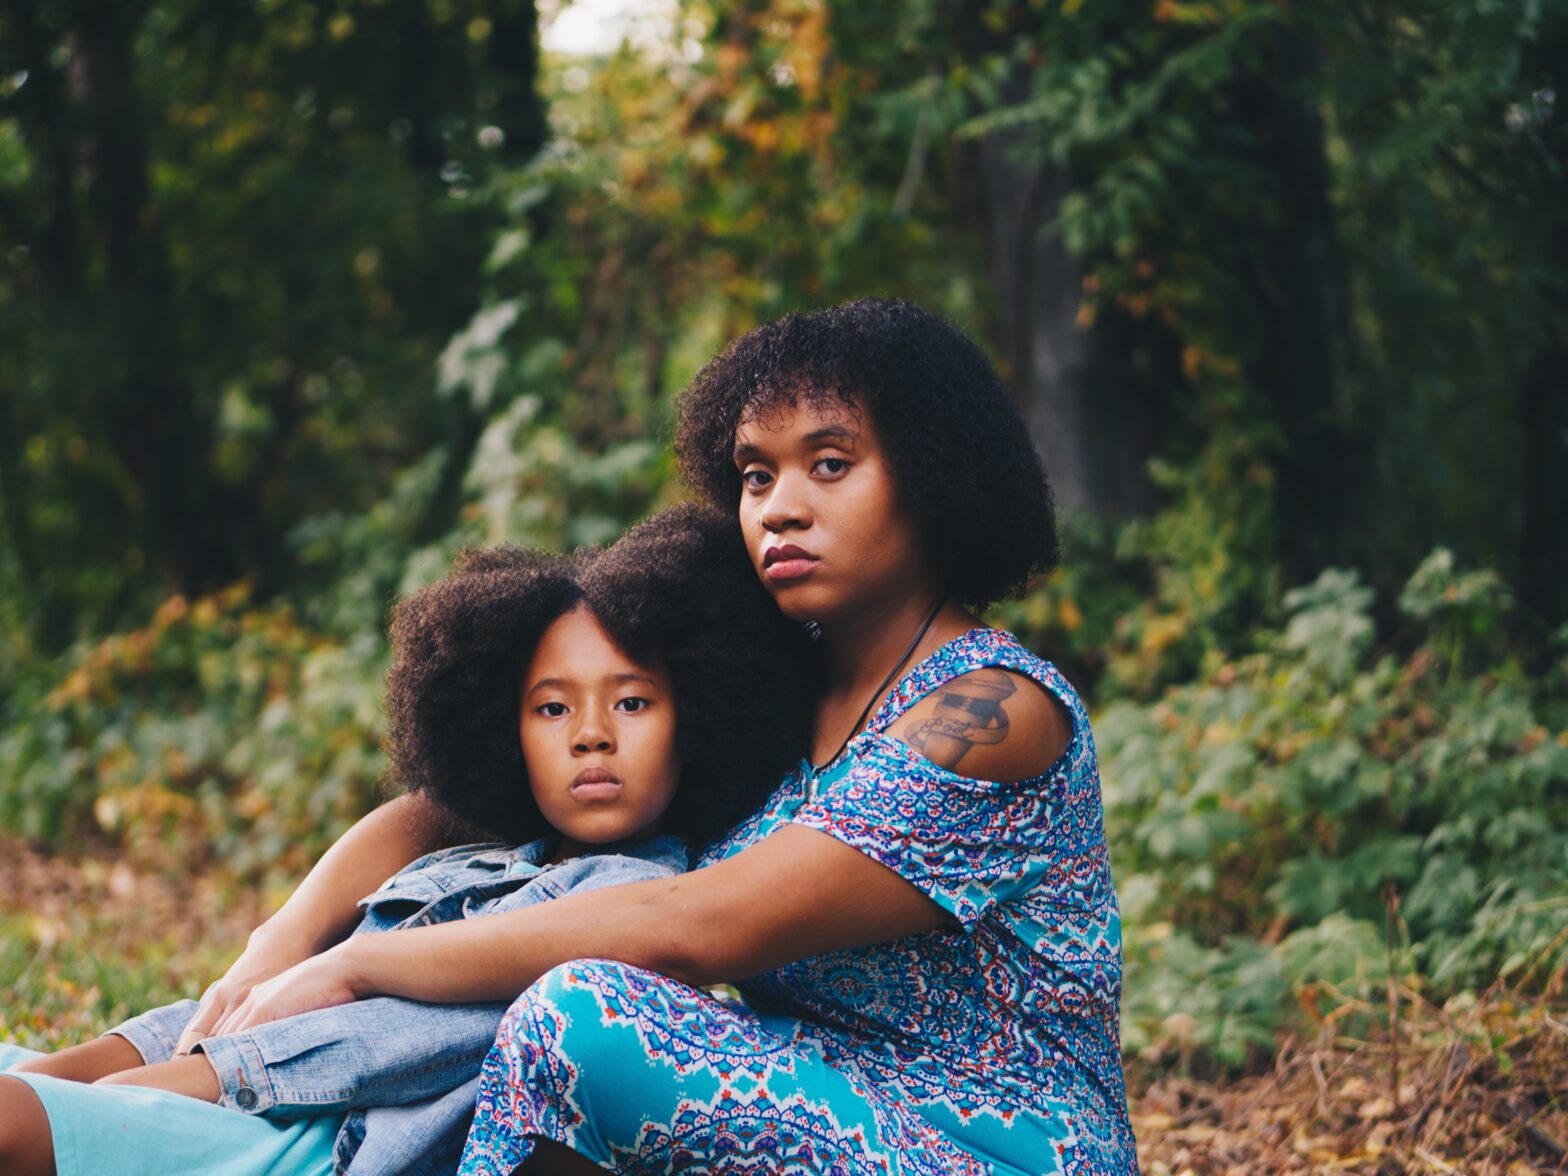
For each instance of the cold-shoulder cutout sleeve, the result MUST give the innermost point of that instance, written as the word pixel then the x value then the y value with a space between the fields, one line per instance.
pixel 968 844
pixel 990 723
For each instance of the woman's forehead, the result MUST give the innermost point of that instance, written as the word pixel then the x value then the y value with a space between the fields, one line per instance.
pixel 803 418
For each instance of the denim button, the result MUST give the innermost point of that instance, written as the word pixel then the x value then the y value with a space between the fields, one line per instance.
pixel 245 1097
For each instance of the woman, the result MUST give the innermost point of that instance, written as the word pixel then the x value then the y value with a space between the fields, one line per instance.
pixel 922 917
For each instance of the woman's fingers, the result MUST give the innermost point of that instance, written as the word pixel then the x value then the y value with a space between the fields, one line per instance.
pixel 216 1004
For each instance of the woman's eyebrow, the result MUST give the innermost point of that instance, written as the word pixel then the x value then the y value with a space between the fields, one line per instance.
pixel 839 434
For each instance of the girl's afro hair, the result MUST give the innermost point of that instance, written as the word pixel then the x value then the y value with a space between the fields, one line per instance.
pixel 678 591
pixel 965 466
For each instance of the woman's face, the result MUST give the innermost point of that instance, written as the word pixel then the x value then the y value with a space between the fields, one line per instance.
pixel 821 513
pixel 598 735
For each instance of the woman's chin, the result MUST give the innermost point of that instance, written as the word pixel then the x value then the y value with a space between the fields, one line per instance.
pixel 796 605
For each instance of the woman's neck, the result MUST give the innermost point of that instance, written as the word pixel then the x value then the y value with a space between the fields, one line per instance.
pixel 860 651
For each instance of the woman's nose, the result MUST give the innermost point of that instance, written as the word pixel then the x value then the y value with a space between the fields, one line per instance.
pixel 786 507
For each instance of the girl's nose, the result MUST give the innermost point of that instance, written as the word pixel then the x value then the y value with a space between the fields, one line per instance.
pixel 592 736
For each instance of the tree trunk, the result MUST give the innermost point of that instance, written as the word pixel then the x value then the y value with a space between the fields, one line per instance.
pixel 1087 409
pixel 1295 289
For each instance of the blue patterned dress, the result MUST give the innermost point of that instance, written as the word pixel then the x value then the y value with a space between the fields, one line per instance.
pixel 987 1047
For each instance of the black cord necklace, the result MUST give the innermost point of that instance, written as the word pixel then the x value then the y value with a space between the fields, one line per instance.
pixel 877 693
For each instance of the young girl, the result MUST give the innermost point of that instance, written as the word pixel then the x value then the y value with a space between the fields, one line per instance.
pixel 602 710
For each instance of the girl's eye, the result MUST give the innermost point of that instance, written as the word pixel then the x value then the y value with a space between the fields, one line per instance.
pixel 832 466
pixel 755 479
pixel 632 705
pixel 552 710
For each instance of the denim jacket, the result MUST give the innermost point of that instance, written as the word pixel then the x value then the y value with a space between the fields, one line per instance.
pixel 405 1071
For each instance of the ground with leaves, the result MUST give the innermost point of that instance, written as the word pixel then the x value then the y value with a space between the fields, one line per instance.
pixel 1476 1087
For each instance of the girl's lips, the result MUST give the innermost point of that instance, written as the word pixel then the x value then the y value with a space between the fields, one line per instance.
pixel 596 784
pixel 600 790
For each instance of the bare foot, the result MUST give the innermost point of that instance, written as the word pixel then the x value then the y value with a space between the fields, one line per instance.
pixel 190 1074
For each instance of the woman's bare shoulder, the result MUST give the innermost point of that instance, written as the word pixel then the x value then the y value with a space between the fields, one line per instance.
pixel 988 724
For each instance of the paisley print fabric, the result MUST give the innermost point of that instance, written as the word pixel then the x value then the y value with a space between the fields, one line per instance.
pixel 989 1046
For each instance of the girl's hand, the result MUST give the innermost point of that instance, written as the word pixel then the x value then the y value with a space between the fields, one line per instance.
pixel 264 957
pixel 317 983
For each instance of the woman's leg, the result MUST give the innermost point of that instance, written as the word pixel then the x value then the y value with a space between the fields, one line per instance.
pixel 639 1073
pixel 26 1147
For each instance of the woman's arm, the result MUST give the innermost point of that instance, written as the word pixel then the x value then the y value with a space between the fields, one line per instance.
pixel 797 893
pixel 324 908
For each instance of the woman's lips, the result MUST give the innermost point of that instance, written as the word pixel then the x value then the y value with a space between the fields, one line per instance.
pixel 596 784
pixel 787 562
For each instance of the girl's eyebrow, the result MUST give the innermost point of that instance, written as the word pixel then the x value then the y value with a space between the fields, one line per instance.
pixel 610 679
pixel 837 434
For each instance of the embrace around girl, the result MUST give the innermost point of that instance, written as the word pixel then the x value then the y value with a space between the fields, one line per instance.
pixel 920 918
pixel 598 710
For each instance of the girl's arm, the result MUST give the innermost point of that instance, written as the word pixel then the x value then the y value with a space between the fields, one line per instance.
pixel 324 908
pixel 797 893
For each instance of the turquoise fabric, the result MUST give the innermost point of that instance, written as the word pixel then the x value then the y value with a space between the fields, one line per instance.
pixel 133 1131
pixel 990 1046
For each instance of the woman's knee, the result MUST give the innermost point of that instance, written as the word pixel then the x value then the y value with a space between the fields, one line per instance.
pixel 563 1016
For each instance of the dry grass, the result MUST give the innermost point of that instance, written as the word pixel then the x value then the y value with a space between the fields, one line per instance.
pixel 1477 1087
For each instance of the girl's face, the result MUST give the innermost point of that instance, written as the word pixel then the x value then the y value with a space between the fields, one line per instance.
pixel 598 736
pixel 820 510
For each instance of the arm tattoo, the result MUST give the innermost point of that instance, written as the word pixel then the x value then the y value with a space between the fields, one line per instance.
pixel 968 711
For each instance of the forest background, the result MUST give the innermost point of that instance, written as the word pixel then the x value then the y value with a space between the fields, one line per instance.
pixel 297 299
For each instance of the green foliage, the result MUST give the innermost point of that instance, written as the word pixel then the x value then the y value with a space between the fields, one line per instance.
pixel 1304 818
pixel 225 322
pixel 220 736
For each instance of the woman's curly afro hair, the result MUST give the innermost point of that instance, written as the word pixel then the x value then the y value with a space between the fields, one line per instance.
pixel 677 591
pixel 965 467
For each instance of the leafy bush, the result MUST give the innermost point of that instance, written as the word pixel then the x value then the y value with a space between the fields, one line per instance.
pixel 220 734
pixel 1304 818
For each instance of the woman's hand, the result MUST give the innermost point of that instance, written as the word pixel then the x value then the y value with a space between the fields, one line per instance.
pixel 316 983
pixel 324 908
pixel 265 956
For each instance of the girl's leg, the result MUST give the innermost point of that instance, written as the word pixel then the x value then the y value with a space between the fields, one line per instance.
pixel 88 1062
pixel 641 1074
pixel 26 1147
pixel 191 1075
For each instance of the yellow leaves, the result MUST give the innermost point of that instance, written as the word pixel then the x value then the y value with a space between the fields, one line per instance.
pixel 762 134
pixel 1174 12
pixel 77 687
pixel 341 27
pixel 171 612
pixel 1070 614
pixel 1160 633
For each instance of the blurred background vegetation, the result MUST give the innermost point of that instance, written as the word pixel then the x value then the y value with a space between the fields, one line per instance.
pixel 297 298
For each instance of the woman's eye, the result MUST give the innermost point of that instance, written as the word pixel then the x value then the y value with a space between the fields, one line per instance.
pixel 832 466
pixel 755 479
pixel 552 710
pixel 632 705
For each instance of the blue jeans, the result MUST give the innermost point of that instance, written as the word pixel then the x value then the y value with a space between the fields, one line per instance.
pixel 404 1071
